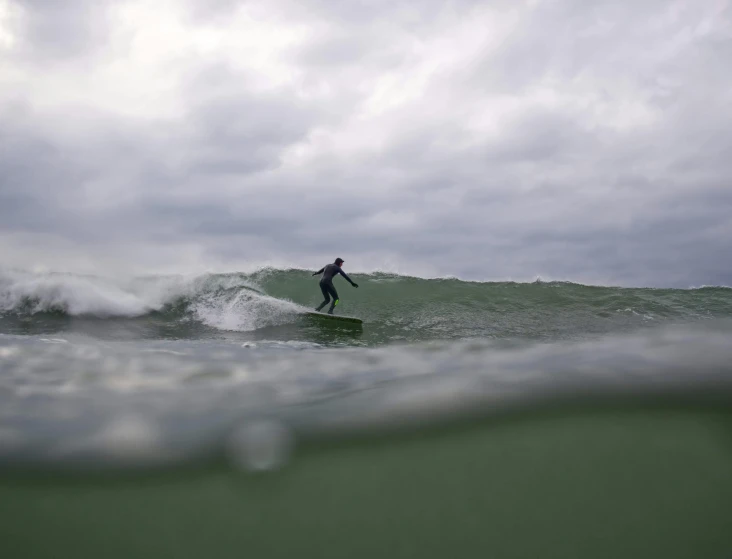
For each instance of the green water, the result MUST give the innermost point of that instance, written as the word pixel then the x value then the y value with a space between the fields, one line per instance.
pixel 268 305
pixel 110 376
pixel 605 482
pixel 406 310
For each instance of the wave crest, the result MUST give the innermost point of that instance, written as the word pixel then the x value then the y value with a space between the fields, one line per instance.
pixel 227 302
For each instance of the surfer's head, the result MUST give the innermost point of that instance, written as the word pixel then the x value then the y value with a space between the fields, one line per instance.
pixel 339 261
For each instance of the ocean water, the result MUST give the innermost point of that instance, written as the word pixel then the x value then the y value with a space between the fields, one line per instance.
pixel 190 416
pixel 267 306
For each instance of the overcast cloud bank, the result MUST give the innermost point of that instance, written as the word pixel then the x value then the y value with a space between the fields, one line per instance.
pixel 586 141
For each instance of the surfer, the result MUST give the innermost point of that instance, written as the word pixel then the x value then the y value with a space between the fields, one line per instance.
pixel 326 283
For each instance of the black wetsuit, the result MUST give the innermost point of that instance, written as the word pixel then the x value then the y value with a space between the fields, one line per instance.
pixel 326 284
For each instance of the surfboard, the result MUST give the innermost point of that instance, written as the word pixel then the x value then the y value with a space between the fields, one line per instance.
pixel 351 319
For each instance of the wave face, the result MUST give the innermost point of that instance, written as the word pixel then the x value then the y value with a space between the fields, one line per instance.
pixel 269 304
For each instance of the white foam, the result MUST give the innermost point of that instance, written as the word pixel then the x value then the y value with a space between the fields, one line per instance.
pixel 227 302
pixel 75 295
pixel 242 311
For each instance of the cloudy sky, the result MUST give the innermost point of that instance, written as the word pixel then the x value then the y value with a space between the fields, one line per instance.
pixel 588 140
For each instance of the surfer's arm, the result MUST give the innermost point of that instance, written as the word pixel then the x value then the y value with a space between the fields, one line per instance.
pixel 347 278
pixel 320 272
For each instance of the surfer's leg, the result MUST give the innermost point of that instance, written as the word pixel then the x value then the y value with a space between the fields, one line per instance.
pixel 334 294
pixel 324 289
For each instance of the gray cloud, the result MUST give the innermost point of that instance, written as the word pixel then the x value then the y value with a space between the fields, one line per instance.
pixel 53 30
pixel 585 141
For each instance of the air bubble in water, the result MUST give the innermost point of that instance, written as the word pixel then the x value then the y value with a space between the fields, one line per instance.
pixel 260 445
